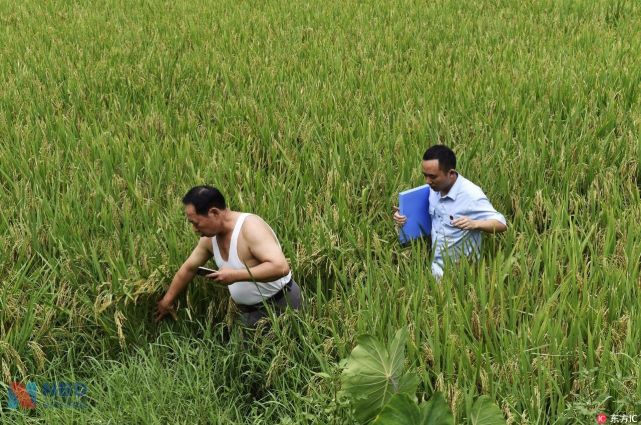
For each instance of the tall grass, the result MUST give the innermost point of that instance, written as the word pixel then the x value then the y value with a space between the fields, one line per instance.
pixel 314 116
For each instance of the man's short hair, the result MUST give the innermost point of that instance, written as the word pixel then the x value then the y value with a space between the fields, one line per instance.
pixel 203 198
pixel 444 155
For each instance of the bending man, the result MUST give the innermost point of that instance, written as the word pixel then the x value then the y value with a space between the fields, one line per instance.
pixel 248 255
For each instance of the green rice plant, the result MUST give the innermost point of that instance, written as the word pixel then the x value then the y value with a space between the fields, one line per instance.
pixel 314 116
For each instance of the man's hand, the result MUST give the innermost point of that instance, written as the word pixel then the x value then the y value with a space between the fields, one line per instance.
pixel 465 223
pixel 184 275
pixel 398 218
pixel 163 308
pixel 224 276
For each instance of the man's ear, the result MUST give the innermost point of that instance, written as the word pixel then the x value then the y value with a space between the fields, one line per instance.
pixel 213 211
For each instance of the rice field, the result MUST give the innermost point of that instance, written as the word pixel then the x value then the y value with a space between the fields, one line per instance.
pixel 314 115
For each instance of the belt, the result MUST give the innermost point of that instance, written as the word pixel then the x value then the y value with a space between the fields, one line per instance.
pixel 261 305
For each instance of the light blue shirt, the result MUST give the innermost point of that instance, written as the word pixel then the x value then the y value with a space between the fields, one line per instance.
pixel 464 199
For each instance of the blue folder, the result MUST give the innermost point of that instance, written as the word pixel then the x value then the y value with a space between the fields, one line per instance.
pixel 414 204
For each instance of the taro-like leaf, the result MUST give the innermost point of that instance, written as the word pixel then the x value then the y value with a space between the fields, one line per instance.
pixel 374 374
pixel 435 411
pixel 484 412
pixel 401 409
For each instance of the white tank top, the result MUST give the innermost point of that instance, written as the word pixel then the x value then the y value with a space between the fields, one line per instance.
pixel 246 292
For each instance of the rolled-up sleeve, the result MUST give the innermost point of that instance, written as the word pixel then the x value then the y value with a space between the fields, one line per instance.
pixel 482 209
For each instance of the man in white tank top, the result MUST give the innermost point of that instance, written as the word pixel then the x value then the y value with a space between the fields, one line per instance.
pixel 248 255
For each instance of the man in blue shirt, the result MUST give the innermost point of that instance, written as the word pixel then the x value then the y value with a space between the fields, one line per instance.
pixel 459 209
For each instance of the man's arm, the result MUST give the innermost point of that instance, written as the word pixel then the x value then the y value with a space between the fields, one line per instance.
pixel 488 226
pixel 482 216
pixel 184 275
pixel 264 247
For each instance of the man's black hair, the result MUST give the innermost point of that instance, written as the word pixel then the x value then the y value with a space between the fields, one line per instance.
pixel 203 198
pixel 445 156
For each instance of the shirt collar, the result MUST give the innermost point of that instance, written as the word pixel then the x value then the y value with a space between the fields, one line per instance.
pixel 455 189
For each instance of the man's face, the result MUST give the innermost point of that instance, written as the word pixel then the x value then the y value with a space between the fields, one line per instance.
pixel 436 177
pixel 205 225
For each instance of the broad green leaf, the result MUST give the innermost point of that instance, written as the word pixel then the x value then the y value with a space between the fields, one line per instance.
pixel 374 374
pixel 484 412
pixel 407 384
pixel 401 409
pixel 435 411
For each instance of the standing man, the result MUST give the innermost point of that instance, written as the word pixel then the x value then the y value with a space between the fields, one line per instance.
pixel 459 210
pixel 248 255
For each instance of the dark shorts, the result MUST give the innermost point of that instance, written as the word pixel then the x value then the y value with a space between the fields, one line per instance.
pixel 291 297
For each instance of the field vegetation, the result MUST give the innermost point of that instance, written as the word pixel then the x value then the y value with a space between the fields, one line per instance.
pixel 314 115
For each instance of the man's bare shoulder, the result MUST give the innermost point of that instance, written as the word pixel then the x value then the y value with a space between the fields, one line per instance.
pixel 254 222
pixel 205 244
pixel 255 227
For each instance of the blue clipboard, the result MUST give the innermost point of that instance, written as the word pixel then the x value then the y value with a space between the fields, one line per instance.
pixel 414 204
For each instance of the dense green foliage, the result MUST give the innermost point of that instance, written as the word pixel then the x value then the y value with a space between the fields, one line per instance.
pixel 374 374
pixel 380 393
pixel 314 115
